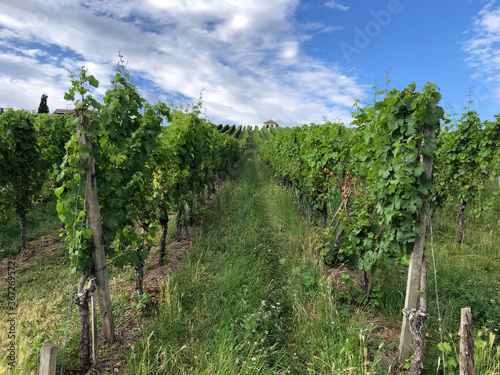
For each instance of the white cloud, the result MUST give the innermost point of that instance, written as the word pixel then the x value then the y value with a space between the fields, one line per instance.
pixel 240 21
pixel 335 5
pixel 246 55
pixel 483 48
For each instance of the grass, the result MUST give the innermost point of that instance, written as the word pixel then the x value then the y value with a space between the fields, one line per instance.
pixel 40 221
pixel 252 297
pixel 40 307
pixel 42 303
pixel 41 292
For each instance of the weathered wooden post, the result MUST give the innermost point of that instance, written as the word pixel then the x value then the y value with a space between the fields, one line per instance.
pixel 94 219
pixel 82 304
pixel 48 356
pixel 412 288
pixel 416 319
pixel 414 271
pixel 466 343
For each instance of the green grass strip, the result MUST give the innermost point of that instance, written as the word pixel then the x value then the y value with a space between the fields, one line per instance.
pixel 251 298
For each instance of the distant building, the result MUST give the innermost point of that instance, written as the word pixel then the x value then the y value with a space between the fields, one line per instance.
pixel 64 112
pixel 1 110
pixel 271 124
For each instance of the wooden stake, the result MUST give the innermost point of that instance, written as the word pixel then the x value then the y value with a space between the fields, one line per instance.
pixel 94 328
pixel 94 218
pixel 466 343
pixel 412 288
pixel 413 281
pixel 82 305
pixel 417 320
pixel 48 354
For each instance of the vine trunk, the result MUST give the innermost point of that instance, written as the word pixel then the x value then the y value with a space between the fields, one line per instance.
pixel 461 215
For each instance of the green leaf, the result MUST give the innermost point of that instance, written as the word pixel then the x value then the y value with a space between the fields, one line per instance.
pixel 385 171
pixel 58 191
pixel 419 170
pixel 426 150
pixel 87 233
pixel 93 81
pixel 85 151
pixel 445 347
pixel 434 115
pixel 69 97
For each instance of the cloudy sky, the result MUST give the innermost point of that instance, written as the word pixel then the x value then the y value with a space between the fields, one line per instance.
pixel 293 61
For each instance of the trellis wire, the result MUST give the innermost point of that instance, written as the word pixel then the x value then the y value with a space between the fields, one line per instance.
pixel 71 282
pixel 436 288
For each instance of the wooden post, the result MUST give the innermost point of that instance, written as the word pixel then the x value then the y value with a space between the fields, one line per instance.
pixel 94 328
pixel 413 281
pixel 412 287
pixel 466 343
pixel 94 219
pixel 416 319
pixel 82 305
pixel 48 356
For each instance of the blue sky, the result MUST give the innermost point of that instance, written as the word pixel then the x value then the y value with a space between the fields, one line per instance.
pixel 291 61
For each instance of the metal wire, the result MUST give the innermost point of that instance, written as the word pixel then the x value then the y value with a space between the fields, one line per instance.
pixel 436 288
pixel 72 281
